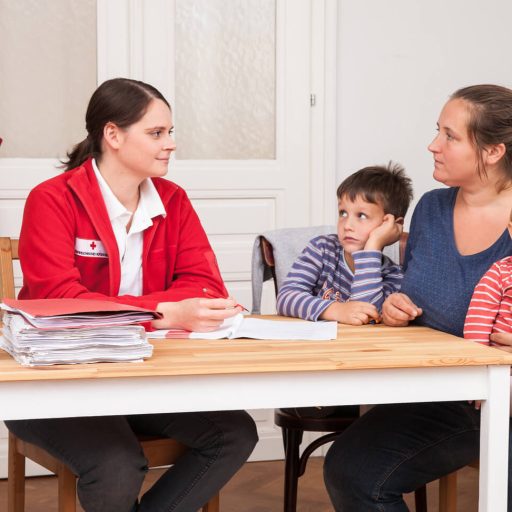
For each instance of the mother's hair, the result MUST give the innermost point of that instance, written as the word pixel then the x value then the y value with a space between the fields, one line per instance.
pixel 490 122
pixel 121 101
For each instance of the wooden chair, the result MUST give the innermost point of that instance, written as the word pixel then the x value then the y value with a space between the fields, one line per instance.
pixel 448 490
pixel 158 451
pixel 293 426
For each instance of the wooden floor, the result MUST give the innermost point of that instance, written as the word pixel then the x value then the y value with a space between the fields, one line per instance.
pixel 256 488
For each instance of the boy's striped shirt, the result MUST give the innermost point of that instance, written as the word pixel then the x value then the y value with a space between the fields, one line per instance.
pixel 321 276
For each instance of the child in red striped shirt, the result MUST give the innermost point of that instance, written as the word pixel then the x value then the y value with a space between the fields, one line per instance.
pixel 490 309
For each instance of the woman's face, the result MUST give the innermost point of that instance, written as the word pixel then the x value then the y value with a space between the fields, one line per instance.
pixel 455 157
pixel 145 147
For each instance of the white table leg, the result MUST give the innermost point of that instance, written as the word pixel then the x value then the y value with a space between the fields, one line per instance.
pixel 494 442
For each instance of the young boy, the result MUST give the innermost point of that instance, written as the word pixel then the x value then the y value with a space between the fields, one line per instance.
pixel 344 276
pixel 490 307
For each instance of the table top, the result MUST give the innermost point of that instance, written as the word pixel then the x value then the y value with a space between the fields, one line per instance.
pixel 361 347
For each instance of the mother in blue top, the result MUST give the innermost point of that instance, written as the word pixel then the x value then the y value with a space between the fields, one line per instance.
pixel 456 234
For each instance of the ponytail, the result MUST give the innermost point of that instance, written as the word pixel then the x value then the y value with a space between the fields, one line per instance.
pixel 79 154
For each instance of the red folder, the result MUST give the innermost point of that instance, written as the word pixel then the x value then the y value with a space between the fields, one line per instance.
pixel 78 313
pixel 61 307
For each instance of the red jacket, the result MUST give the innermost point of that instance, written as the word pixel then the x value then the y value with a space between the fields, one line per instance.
pixel 177 260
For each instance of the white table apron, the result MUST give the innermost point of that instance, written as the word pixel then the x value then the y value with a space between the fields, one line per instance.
pixel 139 395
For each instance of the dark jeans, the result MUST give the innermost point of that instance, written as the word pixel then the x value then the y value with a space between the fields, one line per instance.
pixel 394 449
pixel 106 456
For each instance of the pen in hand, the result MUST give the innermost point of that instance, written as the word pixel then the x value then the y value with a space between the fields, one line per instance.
pixel 210 295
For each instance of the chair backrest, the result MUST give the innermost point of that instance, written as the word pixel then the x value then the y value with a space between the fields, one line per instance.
pixel 8 253
pixel 272 261
pixel 285 244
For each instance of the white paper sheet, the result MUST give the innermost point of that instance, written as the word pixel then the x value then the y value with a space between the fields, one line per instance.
pixel 240 326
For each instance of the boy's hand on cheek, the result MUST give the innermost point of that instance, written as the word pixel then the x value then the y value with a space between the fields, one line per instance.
pixel 385 234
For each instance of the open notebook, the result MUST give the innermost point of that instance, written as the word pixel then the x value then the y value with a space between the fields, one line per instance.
pixel 240 326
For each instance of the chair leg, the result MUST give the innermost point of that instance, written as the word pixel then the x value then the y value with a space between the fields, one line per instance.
pixel 213 505
pixel 293 438
pixel 16 478
pixel 67 489
pixel 448 493
pixel 327 438
pixel 420 499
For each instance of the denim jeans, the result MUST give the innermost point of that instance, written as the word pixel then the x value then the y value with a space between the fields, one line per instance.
pixel 106 456
pixel 394 449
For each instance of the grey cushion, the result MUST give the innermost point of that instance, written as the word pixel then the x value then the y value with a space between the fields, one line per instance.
pixel 287 244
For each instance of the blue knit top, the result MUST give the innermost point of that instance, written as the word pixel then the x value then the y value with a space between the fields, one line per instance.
pixel 437 277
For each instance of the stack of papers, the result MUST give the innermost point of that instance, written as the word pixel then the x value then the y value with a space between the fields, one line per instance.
pixel 72 331
pixel 260 329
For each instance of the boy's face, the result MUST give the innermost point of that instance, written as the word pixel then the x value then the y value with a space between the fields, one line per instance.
pixel 357 219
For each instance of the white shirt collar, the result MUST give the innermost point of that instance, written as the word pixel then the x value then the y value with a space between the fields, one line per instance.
pixel 150 203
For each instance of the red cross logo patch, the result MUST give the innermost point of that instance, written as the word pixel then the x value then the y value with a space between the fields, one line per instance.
pixel 90 248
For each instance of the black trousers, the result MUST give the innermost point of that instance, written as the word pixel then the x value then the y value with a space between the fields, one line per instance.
pixel 106 456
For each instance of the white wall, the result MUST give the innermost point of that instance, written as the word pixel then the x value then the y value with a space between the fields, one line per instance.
pixel 398 61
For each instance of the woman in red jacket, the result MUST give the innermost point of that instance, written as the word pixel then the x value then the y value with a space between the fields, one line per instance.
pixel 112 228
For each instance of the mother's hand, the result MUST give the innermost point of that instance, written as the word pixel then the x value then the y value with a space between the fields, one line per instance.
pixel 398 310
pixel 502 340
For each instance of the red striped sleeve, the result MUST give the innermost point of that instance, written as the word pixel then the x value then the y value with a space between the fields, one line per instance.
pixel 490 307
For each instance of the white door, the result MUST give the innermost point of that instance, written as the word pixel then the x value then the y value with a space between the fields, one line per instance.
pixel 240 75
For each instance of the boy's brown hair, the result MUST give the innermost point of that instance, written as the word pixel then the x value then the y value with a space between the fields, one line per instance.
pixel 387 186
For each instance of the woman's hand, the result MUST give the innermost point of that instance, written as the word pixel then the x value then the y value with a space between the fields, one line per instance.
pixel 385 234
pixel 352 313
pixel 199 315
pixel 502 340
pixel 398 310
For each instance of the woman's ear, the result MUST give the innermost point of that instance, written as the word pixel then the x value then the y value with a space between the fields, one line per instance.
pixel 112 135
pixel 494 153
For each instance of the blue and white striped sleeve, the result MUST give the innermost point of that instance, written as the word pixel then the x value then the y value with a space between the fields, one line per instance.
pixel 375 277
pixel 296 297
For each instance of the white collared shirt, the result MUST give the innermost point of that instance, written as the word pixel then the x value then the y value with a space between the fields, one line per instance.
pixel 130 243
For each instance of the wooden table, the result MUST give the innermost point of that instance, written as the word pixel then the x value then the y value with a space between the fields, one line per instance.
pixel 366 365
